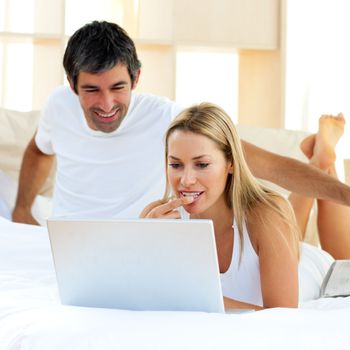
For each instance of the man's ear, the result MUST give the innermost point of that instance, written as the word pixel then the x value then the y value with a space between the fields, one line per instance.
pixel 136 80
pixel 71 84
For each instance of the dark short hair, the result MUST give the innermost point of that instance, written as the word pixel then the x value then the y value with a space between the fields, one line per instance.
pixel 97 47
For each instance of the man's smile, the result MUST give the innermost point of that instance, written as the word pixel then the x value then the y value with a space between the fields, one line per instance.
pixel 107 117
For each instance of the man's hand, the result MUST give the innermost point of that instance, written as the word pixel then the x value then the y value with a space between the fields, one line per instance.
pixel 165 210
pixel 23 216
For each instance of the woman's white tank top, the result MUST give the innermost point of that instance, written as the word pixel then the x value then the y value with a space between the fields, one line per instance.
pixel 242 279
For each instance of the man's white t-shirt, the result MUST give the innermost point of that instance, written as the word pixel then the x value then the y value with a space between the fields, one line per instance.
pixel 105 175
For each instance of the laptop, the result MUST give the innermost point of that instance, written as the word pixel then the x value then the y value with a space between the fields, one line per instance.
pixel 142 264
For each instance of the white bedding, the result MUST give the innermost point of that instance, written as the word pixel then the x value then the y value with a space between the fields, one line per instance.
pixel 31 316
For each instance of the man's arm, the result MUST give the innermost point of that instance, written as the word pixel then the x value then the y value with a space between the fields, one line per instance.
pixel 35 169
pixel 295 176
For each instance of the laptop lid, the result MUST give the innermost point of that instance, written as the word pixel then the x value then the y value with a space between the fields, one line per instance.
pixel 143 264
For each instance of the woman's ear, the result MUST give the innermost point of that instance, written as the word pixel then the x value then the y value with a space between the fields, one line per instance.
pixel 230 168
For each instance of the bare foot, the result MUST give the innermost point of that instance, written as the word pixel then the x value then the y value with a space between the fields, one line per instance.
pixel 330 130
pixel 307 145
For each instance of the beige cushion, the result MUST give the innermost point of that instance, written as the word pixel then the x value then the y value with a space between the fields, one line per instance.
pixel 17 128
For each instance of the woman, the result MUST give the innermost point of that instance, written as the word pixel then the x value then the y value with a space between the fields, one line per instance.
pixel 256 234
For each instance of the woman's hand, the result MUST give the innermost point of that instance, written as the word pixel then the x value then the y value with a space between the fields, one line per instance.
pixel 165 209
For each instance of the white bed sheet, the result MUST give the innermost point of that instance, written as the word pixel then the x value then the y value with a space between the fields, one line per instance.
pixel 31 316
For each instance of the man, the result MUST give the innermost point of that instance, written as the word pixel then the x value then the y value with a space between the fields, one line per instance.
pixel 108 140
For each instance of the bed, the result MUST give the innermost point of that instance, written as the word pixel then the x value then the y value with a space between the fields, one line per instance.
pixel 31 316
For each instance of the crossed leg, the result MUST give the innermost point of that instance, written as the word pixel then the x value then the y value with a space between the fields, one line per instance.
pixel 333 220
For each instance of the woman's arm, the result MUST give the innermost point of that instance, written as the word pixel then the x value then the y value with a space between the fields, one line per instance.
pixel 294 175
pixel 277 245
pixel 235 304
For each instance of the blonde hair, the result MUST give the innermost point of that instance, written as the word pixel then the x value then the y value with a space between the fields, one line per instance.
pixel 243 192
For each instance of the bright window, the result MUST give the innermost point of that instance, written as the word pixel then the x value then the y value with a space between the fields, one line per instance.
pixel 318 68
pixel 18 76
pixel 19 21
pixel 210 76
pixel 112 10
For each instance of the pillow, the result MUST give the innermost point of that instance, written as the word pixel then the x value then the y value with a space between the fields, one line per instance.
pixel 17 128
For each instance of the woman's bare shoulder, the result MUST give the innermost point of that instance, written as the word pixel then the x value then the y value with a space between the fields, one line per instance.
pixel 272 224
